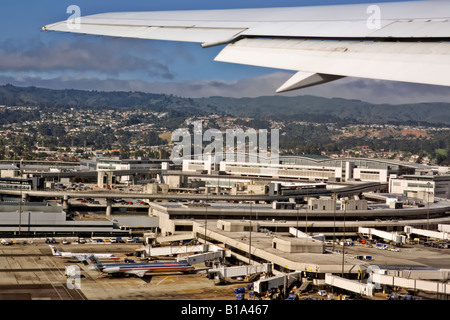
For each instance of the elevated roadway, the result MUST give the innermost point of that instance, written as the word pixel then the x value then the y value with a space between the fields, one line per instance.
pixel 344 191
pixel 356 189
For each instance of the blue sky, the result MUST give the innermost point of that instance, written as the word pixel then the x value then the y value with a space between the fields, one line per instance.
pixel 29 56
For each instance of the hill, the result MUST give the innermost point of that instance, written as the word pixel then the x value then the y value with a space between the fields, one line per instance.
pixel 310 108
pixel 300 108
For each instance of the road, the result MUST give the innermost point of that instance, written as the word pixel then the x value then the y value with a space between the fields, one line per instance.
pixel 344 191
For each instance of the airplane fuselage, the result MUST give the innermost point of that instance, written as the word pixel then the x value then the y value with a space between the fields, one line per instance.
pixel 140 269
pixel 83 256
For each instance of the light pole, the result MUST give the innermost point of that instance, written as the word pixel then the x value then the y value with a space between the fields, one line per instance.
pixel 250 234
pixel 20 199
pixel 306 216
pixel 344 202
pixel 20 210
pixel 334 220
pixel 307 207
pixel 428 204
pixel 206 218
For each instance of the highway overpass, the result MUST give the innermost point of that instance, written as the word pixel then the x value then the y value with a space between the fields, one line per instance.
pixel 348 190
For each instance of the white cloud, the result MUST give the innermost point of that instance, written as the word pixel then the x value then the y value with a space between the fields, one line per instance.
pixel 378 91
pixel 83 55
pixel 374 91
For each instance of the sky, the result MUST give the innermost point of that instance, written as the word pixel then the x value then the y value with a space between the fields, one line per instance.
pixel 32 57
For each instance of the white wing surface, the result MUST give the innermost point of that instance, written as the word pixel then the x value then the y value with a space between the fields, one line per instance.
pixel 401 41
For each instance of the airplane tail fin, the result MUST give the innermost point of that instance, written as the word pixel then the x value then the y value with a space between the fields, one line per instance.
pixel 55 250
pixel 93 262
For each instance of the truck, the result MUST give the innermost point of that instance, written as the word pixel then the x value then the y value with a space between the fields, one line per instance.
pixel 292 296
pixel 6 242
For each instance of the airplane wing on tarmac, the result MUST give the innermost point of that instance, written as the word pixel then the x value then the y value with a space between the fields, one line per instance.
pixel 397 41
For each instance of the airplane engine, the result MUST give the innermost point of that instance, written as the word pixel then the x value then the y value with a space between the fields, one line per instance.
pixel 111 270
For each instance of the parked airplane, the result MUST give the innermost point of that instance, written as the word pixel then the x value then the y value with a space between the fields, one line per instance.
pixel 139 269
pixel 81 256
pixel 397 41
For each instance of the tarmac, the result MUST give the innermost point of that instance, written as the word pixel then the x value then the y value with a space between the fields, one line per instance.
pixel 408 255
pixel 31 272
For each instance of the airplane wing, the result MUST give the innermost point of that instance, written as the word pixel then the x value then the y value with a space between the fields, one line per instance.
pixel 398 41
pixel 82 257
pixel 139 273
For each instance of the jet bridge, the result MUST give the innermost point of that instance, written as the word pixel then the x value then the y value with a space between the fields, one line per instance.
pixel 284 281
pixel 445 235
pixel 190 254
pixel 418 273
pixel 390 236
pixel 202 257
pixel 299 234
pixel 365 289
pixel 437 287
pixel 239 271
pixel 150 251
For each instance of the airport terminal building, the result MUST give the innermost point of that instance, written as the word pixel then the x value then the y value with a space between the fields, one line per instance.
pixel 307 168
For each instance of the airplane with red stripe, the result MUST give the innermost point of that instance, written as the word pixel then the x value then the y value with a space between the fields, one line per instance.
pixel 140 269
